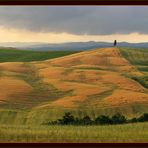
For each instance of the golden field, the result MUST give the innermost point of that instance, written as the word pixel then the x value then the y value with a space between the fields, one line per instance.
pixel 95 78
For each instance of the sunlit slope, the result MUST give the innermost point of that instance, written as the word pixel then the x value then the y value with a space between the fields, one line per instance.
pixel 98 81
pixel 22 88
pixel 96 78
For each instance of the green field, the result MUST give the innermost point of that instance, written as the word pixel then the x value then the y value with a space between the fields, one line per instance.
pixel 136 56
pixel 115 133
pixel 139 58
pixel 16 55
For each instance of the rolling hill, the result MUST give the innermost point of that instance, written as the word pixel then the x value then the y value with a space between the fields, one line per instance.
pixel 101 74
pixel 97 81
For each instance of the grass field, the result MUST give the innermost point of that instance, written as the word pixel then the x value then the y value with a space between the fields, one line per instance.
pixel 55 86
pixel 95 82
pixel 16 55
pixel 139 58
pixel 115 133
pixel 136 56
pixel 36 117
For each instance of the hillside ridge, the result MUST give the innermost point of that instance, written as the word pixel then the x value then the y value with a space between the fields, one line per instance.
pixel 98 81
pixel 96 71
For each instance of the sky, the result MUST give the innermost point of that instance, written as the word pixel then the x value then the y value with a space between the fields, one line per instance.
pixel 58 24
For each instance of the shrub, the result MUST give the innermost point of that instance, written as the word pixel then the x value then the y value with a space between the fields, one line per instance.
pixel 133 120
pixel 118 119
pixel 143 118
pixel 103 120
pixel 68 118
pixel 86 120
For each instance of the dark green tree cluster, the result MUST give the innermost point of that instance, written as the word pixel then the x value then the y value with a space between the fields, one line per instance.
pixel 69 119
pixel 142 118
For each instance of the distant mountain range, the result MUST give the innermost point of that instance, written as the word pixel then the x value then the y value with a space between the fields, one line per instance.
pixel 69 46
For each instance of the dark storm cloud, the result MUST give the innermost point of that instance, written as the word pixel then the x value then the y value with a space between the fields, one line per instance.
pixel 77 20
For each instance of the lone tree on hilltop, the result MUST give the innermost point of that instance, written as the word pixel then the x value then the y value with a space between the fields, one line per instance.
pixel 115 42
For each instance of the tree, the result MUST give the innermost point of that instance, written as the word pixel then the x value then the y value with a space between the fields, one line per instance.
pixel 86 120
pixel 118 119
pixel 68 118
pixel 115 42
pixel 103 120
pixel 143 118
pixel 133 120
pixel 77 121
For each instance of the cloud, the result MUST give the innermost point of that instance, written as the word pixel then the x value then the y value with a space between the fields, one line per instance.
pixel 79 20
pixel 19 35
